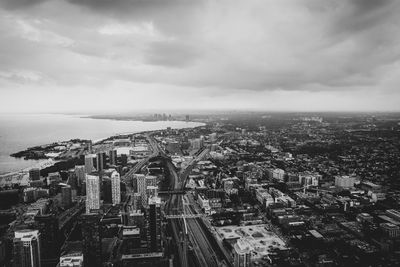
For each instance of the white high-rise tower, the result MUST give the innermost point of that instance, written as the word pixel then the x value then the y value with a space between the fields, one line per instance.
pixel 116 188
pixel 92 192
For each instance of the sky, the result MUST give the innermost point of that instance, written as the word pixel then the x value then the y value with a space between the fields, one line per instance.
pixel 131 55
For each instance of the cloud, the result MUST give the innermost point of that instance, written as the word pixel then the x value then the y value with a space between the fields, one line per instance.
pixel 209 48
pixel 21 76
pixel 143 29
pixel 34 34
pixel 16 4
pixel 172 54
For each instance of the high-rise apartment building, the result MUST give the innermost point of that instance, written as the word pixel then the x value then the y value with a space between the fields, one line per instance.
pixel 47 224
pixel 101 161
pixel 242 253
pixel 113 157
pixel 66 196
pixel 116 188
pixel 90 146
pixel 92 192
pixel 26 248
pixel 91 235
pixel 80 174
pixel 141 185
pixel 72 179
pixel 154 221
pixel 90 159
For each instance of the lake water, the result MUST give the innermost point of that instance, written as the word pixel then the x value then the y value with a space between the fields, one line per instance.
pixel 20 131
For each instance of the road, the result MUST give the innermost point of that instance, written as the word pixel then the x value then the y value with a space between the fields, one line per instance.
pixel 155 152
pixel 127 178
pixel 173 207
pixel 204 250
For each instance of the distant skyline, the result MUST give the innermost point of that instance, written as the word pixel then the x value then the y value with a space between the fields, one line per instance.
pixel 102 56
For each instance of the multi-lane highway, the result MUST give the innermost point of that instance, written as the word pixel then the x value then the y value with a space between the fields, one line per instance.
pixel 198 156
pixel 205 252
pixel 173 207
pixel 127 178
pixel 155 152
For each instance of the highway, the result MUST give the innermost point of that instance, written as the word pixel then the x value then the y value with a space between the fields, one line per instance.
pixel 173 207
pixel 204 250
pixel 156 151
pixel 198 157
pixel 127 178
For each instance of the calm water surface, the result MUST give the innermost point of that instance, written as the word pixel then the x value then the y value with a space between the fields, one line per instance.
pixel 20 131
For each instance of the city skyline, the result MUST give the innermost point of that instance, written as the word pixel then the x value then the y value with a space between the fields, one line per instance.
pixel 236 190
pixel 122 56
pixel 160 133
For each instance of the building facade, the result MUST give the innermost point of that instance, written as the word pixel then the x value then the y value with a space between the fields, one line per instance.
pixel 92 192
pixel 116 188
pixel 26 252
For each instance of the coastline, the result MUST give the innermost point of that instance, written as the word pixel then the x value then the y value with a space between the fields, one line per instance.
pixel 144 118
pixel 44 163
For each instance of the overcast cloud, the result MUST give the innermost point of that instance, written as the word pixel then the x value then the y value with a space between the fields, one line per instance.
pixel 121 55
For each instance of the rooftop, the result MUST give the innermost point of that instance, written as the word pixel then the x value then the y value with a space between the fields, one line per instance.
pixel 261 240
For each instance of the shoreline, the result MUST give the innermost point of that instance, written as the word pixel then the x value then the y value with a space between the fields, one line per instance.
pixel 46 162
pixel 135 118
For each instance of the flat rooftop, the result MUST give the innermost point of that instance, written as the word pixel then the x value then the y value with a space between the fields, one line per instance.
pixel 261 240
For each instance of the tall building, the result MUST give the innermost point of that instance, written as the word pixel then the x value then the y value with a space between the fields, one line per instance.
pixel 80 174
pixel 106 191
pixel 90 146
pixel 101 161
pixel 26 249
pixel 89 163
pixel 72 179
pixel 154 221
pixel 91 235
pixel 187 118
pixel 66 196
pixel 34 174
pixel 113 157
pixel 47 225
pixel 141 188
pixel 242 253
pixel 116 188
pixel 92 192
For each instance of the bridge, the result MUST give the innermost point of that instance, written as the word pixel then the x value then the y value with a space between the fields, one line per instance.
pixel 172 192
pixel 184 216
